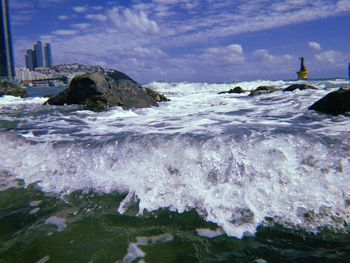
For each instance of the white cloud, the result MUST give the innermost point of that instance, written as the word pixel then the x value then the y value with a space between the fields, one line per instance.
pixel 148 52
pixel 330 56
pixel 343 6
pixel 96 17
pixel 263 55
pixel 231 54
pixel 80 9
pixel 81 26
pixel 287 57
pixel 126 20
pixel 315 46
pixel 65 32
pixel 63 17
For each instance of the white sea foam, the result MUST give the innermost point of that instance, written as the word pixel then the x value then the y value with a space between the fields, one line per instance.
pixel 134 253
pixel 236 159
pixel 209 233
pixel 11 100
pixel 34 211
pixel 236 184
pixel 44 259
pixel 59 222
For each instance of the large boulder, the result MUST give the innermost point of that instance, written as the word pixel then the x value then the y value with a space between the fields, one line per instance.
pixel 9 88
pixel 334 103
pixel 299 87
pixel 100 91
pixel 235 90
pixel 262 90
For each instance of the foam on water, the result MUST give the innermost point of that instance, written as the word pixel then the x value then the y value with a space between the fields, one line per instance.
pixel 234 183
pixel 237 160
pixel 11 100
pixel 60 223
pixel 209 233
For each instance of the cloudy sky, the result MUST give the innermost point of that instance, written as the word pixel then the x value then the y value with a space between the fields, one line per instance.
pixel 190 40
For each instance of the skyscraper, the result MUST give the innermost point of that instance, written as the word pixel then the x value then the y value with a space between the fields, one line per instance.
pixel 35 58
pixel 48 55
pixel 7 67
pixel 29 59
pixel 39 57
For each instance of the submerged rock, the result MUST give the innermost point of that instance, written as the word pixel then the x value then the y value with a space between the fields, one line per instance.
pixel 236 90
pixel 99 91
pixel 299 87
pixel 262 90
pixel 9 88
pixel 334 103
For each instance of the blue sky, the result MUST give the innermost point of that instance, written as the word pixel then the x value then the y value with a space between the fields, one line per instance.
pixel 190 40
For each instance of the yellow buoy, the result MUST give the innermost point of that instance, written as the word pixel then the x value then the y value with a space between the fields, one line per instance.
pixel 303 73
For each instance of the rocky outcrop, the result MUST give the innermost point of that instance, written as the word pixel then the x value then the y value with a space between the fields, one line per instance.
pixel 262 90
pixel 236 90
pixel 155 95
pixel 9 88
pixel 299 87
pixel 334 103
pixel 99 91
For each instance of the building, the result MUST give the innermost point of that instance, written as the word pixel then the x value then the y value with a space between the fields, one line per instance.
pixel 7 67
pixel 29 59
pixel 48 55
pixel 26 74
pixel 37 57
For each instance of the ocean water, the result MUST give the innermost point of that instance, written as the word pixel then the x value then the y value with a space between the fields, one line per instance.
pixel 202 178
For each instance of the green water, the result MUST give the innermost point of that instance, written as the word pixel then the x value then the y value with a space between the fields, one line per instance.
pixel 93 231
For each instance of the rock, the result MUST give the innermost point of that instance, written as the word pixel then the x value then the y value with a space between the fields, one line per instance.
pixel 334 103
pixel 99 91
pixel 155 95
pixel 262 90
pixel 236 90
pixel 9 88
pixel 299 87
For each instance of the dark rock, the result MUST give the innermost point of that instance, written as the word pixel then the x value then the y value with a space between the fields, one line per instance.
pixel 236 90
pixel 155 95
pixel 9 88
pixel 334 103
pixel 99 91
pixel 262 90
pixel 299 87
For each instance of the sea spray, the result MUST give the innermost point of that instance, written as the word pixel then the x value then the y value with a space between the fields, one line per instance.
pixel 235 183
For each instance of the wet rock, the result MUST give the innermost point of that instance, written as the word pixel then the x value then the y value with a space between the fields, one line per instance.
pixel 242 216
pixel 9 88
pixel 299 87
pixel 236 90
pixel 262 90
pixel 334 103
pixel 100 91
pixel 155 95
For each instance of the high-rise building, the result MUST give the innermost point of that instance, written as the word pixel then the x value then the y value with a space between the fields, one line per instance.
pixel 48 55
pixel 39 57
pixel 36 58
pixel 7 67
pixel 29 59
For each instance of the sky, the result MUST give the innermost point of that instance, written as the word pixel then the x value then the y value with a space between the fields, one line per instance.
pixel 190 40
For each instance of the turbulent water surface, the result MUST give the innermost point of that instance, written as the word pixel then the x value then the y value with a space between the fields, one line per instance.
pixel 202 178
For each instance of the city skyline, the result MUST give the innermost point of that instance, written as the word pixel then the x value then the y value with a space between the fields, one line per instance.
pixel 38 56
pixel 7 68
pixel 200 40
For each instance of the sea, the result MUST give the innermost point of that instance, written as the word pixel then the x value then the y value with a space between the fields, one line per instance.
pixel 205 177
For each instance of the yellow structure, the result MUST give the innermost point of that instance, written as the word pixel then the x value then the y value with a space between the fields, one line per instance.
pixel 303 73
